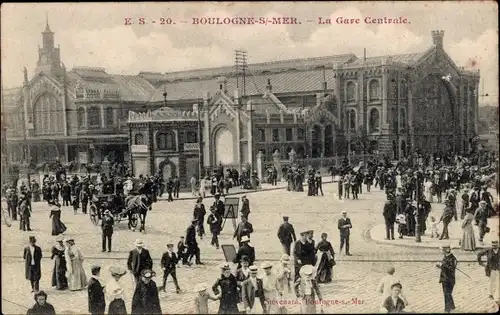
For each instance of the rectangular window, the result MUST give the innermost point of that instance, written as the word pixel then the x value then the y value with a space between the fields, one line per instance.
pixel 261 135
pixel 289 134
pixel 276 135
pixel 301 134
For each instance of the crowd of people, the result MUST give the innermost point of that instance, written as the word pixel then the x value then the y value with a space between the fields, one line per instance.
pixel 304 265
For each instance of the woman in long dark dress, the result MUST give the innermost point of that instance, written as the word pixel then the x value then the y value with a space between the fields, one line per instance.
pixel 325 257
pixel 114 292
pixel 55 213
pixel 59 279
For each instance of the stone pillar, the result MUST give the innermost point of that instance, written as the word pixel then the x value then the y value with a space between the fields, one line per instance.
pixel 105 166
pixel 385 95
pixel 103 117
pixel 207 154
pixel 293 156
pixel 259 165
pixel 323 143
pixel 237 109
pixel 277 163
pixel 250 134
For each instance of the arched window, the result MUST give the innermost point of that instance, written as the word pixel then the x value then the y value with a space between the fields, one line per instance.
pixel 110 116
pixel 80 117
pixel 48 115
pixel 374 90
pixel 402 113
pixel 94 117
pixel 350 91
pixel 165 141
pixel 374 122
pixel 139 139
pixel 351 118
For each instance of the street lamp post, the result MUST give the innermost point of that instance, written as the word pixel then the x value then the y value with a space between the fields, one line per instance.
pixel 200 143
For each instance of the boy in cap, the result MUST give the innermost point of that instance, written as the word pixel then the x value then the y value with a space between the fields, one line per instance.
pixel 168 264
pixel 394 303
pixel 201 299
pixel 181 251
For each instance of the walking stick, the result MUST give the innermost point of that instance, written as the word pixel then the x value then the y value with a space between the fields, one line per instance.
pixel 464 273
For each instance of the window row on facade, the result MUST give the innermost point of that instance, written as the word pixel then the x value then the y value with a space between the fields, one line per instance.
pixel 167 140
pixel 374 119
pixel 374 91
pixel 286 134
pixel 91 117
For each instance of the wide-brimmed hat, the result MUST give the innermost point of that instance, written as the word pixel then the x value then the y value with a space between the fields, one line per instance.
pixel 254 269
pixel 245 239
pixel 200 287
pixel 446 246
pixel 69 238
pixel 266 265
pixel 59 238
pixel 285 258
pixel 138 242
pixel 170 245
pixel 117 271
pixel 148 274
pixel 306 270
pixel 224 266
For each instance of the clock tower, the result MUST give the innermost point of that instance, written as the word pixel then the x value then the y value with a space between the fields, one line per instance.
pixel 49 59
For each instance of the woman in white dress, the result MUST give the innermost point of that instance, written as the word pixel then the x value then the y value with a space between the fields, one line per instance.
pixel 77 280
pixel 270 286
pixel 114 292
pixel 428 190
pixel 284 279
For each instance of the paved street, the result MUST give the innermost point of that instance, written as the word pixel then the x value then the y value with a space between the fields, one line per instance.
pixel 356 277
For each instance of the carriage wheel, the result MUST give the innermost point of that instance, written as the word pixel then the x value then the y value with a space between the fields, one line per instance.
pixel 94 217
pixel 134 219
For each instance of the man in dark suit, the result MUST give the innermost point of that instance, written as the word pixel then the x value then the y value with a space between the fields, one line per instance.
pixel 192 244
pixel 97 302
pixel 491 267
pixel 245 250
pixel 245 207
pixel 390 210
pixel 219 205
pixel 344 227
pixel 300 253
pixel 139 259
pixel 447 277
pixel 107 230
pixel 286 235
pixel 244 228
pixel 32 261
pixel 168 264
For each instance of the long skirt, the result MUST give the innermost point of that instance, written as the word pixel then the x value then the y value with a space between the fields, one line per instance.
pixel 57 226
pixel 77 280
pixel 324 269
pixel 117 307
pixel 468 241
pixel 59 279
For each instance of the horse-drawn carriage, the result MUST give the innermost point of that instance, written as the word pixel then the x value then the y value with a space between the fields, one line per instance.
pixel 116 205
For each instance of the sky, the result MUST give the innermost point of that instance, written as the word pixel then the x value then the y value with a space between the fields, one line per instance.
pixel 95 35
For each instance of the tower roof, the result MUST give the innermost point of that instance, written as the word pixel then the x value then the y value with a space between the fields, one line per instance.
pixel 47 27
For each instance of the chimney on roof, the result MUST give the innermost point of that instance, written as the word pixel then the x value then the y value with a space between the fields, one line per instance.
pixel 437 38
pixel 269 87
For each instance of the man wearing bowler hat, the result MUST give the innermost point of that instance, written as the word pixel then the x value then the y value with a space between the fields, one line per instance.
pixel 168 264
pixel 32 262
pixel 447 277
pixel 139 259
pixel 146 300
pixel 286 235
pixel 491 267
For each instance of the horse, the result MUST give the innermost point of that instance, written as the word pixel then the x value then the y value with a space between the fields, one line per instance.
pixel 140 205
